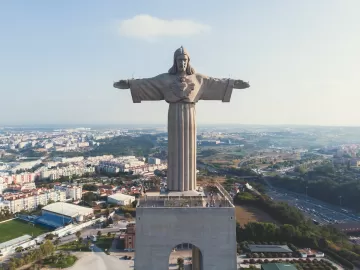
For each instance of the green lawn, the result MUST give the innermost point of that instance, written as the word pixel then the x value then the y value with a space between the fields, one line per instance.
pixel 16 228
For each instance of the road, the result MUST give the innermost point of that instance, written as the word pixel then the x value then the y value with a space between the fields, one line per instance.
pixel 93 231
pixel 321 212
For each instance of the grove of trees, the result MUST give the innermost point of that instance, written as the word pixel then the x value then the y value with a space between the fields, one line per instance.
pixel 125 145
pixel 326 183
pixel 295 229
pixel 5 214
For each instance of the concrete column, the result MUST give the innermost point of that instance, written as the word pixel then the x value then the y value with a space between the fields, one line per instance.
pixel 181 147
pixel 196 259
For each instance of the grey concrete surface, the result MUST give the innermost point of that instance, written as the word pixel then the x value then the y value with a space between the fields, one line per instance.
pixel 159 230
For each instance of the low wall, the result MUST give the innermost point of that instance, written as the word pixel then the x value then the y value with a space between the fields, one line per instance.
pixel 7 220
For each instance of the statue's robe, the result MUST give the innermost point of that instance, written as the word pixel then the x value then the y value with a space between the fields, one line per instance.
pixel 181 93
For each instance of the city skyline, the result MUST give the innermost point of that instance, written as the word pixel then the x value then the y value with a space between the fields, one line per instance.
pixel 59 60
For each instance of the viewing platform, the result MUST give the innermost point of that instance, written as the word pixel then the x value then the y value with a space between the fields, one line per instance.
pixel 214 196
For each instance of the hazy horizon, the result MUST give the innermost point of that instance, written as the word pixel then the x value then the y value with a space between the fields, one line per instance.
pixel 60 59
pixel 73 125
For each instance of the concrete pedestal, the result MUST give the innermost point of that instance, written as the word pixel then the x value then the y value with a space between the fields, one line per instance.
pixel 211 230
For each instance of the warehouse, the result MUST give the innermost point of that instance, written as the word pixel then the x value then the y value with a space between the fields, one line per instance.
pixel 270 249
pixel 120 199
pixel 278 266
pixel 60 214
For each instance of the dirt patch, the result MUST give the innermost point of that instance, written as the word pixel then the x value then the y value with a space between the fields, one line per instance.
pixel 245 214
pixel 203 180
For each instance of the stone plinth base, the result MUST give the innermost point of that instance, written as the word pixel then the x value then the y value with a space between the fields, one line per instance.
pixel 212 230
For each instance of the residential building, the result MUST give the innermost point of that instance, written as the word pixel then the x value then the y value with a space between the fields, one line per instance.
pixel 31 200
pixel 72 192
pixel 20 178
pixel 278 266
pixel 71 170
pixel 152 160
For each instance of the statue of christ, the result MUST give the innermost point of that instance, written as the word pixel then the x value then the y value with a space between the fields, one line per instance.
pixel 181 87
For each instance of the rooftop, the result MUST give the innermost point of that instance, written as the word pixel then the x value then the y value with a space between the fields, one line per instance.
pixel 68 209
pixel 269 248
pixel 120 196
pixel 277 266
pixel 18 240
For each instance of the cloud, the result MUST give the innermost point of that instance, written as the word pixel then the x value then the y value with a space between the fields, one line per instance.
pixel 148 27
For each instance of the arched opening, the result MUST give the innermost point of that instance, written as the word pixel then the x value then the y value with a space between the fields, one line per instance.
pixel 185 256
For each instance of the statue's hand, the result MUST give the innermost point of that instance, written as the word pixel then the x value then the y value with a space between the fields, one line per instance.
pixel 239 84
pixel 122 84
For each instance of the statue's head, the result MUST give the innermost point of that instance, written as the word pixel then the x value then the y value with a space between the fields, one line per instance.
pixel 181 62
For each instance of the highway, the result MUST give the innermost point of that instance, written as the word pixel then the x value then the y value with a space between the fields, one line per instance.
pixel 323 213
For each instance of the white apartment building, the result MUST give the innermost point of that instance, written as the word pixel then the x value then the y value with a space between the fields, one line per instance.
pixel 142 169
pixel 122 163
pixel 100 158
pixel 48 145
pixel 2 186
pixel 28 186
pixel 20 178
pixel 152 160
pixel 69 160
pixel 30 201
pixel 66 171
pixel 65 148
pixel 25 165
pixel 72 192
pixel 83 144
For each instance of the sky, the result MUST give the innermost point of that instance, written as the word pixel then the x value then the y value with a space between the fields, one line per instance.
pixel 59 59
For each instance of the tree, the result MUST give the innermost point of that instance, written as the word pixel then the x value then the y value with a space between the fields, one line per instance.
pixel 49 236
pixel 180 262
pixel 88 244
pixel 109 234
pixel 78 234
pixel 90 197
pixel 20 262
pixel 57 242
pixel 12 266
pixel 47 248
pixel 127 215
pixel 99 233
pixel 134 203
pixel 90 187
pixel 50 201
pixel 19 249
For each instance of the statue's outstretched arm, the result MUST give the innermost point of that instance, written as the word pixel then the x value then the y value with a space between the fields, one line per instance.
pixel 122 84
pixel 239 84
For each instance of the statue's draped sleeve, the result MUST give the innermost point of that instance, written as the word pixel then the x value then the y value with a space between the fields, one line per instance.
pixel 216 89
pixel 147 89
